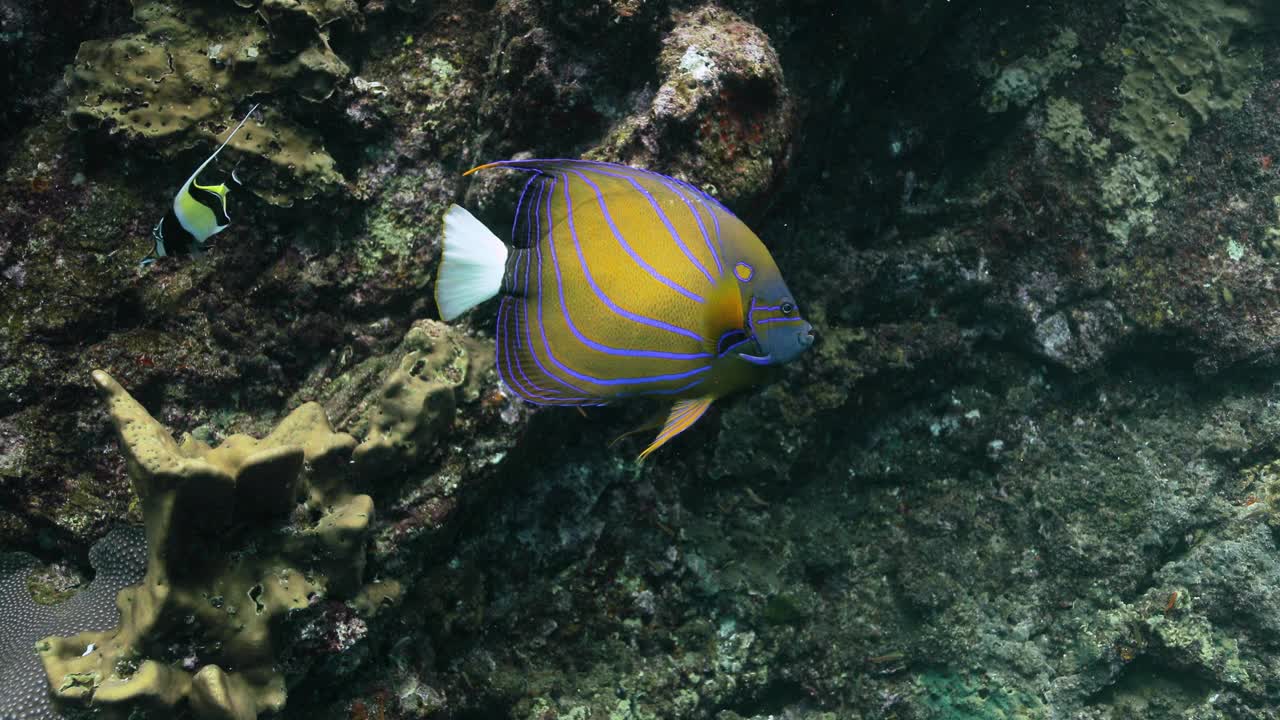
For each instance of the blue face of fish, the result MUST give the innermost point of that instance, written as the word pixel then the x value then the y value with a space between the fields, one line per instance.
pixel 776 325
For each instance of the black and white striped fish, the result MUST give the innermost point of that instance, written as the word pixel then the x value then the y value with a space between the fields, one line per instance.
pixel 198 212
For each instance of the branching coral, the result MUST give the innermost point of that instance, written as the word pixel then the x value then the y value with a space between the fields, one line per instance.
pixel 224 563
pixel 238 538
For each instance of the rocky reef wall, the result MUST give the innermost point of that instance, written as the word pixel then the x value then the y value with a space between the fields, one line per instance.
pixel 1026 472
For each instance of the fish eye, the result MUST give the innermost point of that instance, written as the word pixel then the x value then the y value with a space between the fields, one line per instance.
pixel 787 308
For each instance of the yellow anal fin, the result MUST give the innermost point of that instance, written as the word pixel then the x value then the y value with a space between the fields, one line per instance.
pixel 683 415
pixel 652 424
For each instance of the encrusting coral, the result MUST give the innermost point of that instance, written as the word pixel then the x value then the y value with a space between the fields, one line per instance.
pixel 224 563
pixel 418 397
pixel 1183 60
pixel 1024 79
pixel 162 83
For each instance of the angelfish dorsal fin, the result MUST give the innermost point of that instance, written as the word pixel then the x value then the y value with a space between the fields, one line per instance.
pixel 683 415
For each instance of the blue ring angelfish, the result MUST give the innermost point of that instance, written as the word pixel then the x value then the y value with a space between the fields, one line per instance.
pixel 620 282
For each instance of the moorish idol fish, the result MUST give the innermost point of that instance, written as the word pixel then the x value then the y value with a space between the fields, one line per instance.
pixel 620 282
pixel 198 213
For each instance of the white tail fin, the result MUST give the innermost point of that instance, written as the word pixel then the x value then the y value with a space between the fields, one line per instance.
pixel 473 263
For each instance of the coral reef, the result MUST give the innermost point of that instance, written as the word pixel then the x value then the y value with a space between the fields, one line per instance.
pixel 1066 128
pixel 419 397
pixel 743 594
pixel 1020 82
pixel 216 582
pixel 118 561
pixel 433 418
pixel 1183 61
pixel 1028 470
pixel 257 537
pixel 1202 60
pixel 31 34
pixel 161 84
pixel 722 115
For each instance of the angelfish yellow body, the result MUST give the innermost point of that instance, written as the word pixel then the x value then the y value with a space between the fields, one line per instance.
pixel 621 283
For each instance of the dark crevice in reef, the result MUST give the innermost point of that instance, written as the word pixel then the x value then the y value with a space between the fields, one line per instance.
pixel 778 698
pixel 1144 681
pixel 47 542
pixel 38 40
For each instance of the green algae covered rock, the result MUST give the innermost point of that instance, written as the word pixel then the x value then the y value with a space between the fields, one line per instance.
pixel 1066 128
pixel 1021 82
pixel 224 565
pixel 1183 60
pixel 182 76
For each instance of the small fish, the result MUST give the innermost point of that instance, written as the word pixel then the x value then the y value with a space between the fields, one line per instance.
pixel 620 282
pixel 198 213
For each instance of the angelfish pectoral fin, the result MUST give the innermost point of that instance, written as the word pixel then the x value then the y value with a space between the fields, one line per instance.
pixel 683 415
pixel 724 317
pixel 756 359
